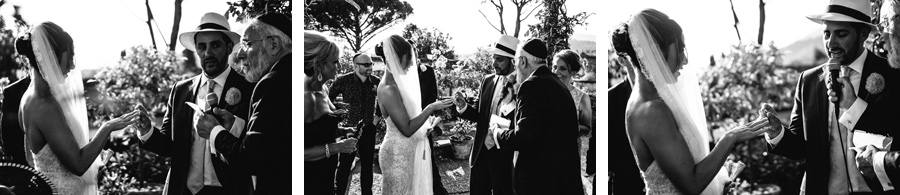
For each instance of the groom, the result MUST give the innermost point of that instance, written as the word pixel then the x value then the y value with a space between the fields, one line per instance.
pixel 819 135
pixel 491 167
pixel 547 159
pixel 196 167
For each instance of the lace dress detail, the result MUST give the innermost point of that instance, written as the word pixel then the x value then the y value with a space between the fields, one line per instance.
pixel 577 95
pixel 66 182
pixel 656 181
pixel 397 158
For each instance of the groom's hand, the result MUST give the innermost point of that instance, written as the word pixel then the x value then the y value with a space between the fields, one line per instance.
pixel 864 156
pixel 143 124
pixel 227 117
pixel 848 94
pixel 459 99
pixel 204 124
pixel 775 125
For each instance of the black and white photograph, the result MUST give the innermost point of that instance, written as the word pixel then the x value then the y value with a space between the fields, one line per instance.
pixel 145 97
pixel 441 97
pixel 752 97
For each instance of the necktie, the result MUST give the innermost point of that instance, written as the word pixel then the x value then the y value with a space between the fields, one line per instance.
pixel 211 98
pixel 199 151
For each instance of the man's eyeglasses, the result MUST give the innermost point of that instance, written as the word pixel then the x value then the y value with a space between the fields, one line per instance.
pixel 364 64
pixel 246 43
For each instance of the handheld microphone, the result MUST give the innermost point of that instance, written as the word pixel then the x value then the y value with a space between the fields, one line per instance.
pixel 834 69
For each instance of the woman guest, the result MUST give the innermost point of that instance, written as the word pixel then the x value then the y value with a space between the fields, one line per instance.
pixel 566 64
pixel 320 59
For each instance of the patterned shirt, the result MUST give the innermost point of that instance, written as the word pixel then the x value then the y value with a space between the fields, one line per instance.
pixel 358 95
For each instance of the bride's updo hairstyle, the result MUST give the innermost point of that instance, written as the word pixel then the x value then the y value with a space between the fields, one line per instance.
pixel 59 39
pixel 403 49
pixel 665 31
pixel 318 51
pixel 23 47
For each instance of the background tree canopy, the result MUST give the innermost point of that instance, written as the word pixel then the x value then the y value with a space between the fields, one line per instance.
pixel 429 41
pixel 357 27
pixel 555 25
pixel 244 9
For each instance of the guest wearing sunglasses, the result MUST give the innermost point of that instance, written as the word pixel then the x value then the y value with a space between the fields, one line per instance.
pixel 358 91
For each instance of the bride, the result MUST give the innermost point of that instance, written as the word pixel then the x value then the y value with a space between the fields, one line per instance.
pixel 405 155
pixel 672 152
pixel 60 147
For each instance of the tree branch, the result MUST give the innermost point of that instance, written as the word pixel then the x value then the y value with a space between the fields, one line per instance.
pixel 762 21
pixel 736 22
pixel 489 21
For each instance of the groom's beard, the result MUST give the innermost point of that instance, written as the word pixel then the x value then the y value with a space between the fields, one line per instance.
pixel 893 53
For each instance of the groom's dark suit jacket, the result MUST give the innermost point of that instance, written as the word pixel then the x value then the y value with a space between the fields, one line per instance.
pixel 265 148
pixel 175 139
pixel 548 161
pixel 626 177
pixel 810 117
pixel 482 117
pixel 12 137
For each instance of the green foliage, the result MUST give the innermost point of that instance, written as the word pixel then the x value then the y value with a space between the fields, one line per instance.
pixel 429 41
pixel 143 77
pixel 733 89
pixel 745 77
pixel 555 25
pixel 244 10
pixel 357 27
pixel 10 61
pixel 465 75
pixel 460 130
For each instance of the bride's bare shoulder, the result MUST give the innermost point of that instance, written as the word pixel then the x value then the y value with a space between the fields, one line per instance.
pixel 652 114
pixel 385 90
pixel 43 107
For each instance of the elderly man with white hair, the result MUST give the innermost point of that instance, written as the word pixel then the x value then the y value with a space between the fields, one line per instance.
pixel 265 150
pixel 546 153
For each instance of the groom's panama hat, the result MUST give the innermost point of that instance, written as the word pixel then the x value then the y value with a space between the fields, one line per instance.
pixel 210 22
pixel 505 46
pixel 858 11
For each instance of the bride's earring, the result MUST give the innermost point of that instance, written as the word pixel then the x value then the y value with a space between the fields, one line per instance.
pixel 320 77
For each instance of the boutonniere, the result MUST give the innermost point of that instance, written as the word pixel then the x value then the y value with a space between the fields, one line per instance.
pixel 875 83
pixel 233 97
pixel 422 67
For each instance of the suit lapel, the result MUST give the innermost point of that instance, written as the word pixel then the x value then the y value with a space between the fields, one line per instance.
pixel 487 98
pixel 821 111
pixel 869 67
pixel 187 112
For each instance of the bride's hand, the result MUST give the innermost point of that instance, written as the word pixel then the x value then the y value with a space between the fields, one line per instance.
pixel 745 132
pixel 439 105
pixel 120 122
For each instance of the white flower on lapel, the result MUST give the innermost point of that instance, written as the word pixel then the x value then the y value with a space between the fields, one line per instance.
pixel 233 97
pixel 875 83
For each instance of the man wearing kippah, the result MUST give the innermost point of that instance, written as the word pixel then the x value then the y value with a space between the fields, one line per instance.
pixel 546 156
pixel 264 150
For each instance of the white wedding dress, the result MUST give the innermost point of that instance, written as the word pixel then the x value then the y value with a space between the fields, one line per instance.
pixel 656 181
pixel 63 180
pixel 405 162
